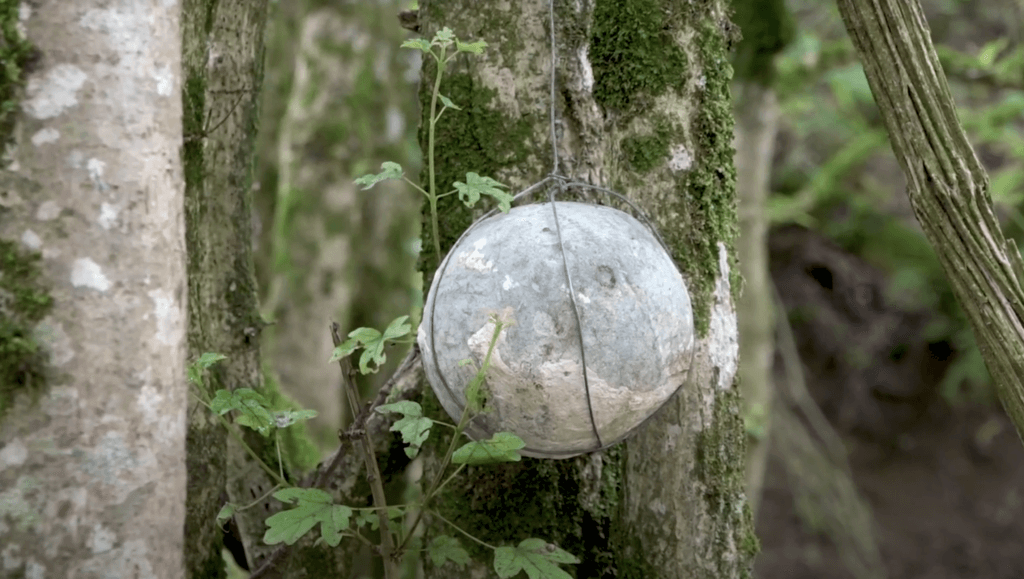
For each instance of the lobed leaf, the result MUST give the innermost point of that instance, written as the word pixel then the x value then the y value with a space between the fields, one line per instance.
pixel 444 548
pixel 471 47
pixel 314 506
pixel 538 558
pixel 372 342
pixel 475 186
pixel 502 447
pixel 252 406
pixel 285 418
pixel 420 44
pixel 196 369
pixel 414 427
pixel 389 170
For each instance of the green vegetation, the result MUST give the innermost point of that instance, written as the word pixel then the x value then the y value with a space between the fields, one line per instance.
pixel 635 57
pixel 15 54
pixel 24 301
pixel 836 174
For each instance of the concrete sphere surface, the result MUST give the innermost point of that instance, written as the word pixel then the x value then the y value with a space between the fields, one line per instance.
pixel 635 320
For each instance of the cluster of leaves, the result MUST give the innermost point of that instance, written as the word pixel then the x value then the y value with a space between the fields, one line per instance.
pixel 442 48
pixel 313 507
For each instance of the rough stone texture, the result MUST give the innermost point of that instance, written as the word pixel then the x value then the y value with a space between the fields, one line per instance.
pixel 92 478
pixel 635 317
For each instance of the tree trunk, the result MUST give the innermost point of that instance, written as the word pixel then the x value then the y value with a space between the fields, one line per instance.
pixel 222 61
pixel 338 253
pixel 766 28
pixel 756 126
pixel 947 186
pixel 643 108
pixel 92 477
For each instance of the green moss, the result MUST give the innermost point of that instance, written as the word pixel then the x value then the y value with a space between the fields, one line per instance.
pixel 634 55
pixel 24 301
pixel 706 194
pixel 724 479
pixel 15 54
pixel 646 152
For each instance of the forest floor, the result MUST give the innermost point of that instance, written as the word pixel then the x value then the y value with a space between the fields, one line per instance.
pixel 948 504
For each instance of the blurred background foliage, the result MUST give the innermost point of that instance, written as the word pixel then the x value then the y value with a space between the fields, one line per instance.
pixel 834 172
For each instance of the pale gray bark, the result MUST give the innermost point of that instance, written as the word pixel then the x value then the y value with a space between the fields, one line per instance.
pixel 92 478
pixel 946 183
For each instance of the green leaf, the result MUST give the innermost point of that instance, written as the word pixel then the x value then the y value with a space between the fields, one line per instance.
pixel 989 52
pixel 444 37
pixel 286 418
pixel 389 170
pixel 369 517
pixel 196 369
pixel 471 47
pixel 314 506
pixel 373 342
pixel 334 524
pixel 415 427
pixel 226 512
pixel 448 102
pixel 418 44
pixel 221 403
pixel 502 447
pixel 475 186
pixel 539 559
pixel 444 548
pixel 251 405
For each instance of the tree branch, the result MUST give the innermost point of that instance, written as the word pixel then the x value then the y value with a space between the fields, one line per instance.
pixel 947 186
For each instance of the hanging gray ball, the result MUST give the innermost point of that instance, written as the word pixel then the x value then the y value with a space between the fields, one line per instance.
pixel 635 320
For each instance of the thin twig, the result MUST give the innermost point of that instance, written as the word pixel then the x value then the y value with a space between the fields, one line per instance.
pixel 370 458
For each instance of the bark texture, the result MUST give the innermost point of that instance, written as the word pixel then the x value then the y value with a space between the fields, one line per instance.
pixel 222 62
pixel 643 108
pixel 92 471
pixel 947 186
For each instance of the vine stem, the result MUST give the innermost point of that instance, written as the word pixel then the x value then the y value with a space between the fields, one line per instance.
pixel 387 547
pixel 430 153
pixel 437 483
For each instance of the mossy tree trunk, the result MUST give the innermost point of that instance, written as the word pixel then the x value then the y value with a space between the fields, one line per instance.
pixel 222 57
pixel 336 253
pixel 643 102
pixel 92 477
pixel 766 28
pixel 946 183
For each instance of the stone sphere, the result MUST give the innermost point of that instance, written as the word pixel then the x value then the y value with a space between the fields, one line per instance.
pixel 635 320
